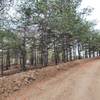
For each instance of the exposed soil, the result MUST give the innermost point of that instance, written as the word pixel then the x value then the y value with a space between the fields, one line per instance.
pixel 77 80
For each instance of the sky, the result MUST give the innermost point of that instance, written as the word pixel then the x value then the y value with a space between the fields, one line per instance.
pixel 95 15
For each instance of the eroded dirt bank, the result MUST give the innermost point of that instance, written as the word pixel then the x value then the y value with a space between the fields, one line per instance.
pixel 52 83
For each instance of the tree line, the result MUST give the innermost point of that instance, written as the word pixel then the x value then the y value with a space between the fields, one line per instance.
pixel 46 32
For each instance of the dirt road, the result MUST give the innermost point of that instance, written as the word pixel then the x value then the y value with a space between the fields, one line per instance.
pixel 79 83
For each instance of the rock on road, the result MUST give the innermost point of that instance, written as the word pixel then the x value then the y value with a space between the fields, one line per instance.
pixel 78 83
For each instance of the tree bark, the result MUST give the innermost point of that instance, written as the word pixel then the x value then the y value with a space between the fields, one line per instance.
pixel 79 54
pixel 2 63
pixel 8 59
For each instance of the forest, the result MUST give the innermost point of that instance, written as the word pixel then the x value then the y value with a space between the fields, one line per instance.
pixel 38 33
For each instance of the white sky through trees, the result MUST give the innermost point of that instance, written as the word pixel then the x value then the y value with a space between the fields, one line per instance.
pixel 95 15
pixel 96 12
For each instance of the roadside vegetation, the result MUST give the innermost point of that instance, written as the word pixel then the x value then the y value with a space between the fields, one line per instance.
pixel 45 32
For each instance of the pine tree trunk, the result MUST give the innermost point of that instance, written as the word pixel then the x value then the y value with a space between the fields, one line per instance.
pixel 67 58
pixel 99 52
pixel 8 60
pixel 63 48
pixel 70 52
pixel 35 57
pixel 89 50
pixel 86 52
pixel 93 53
pixel 63 54
pixel 2 63
pixel 74 52
pixel 45 58
pixel 24 55
pixel 79 54
pixel 55 56
pixel 32 57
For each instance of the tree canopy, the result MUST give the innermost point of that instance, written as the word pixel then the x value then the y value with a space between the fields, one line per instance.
pixel 47 31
